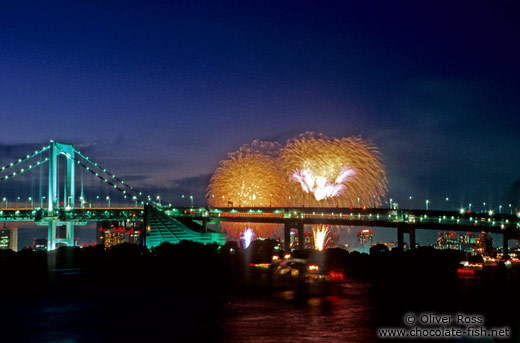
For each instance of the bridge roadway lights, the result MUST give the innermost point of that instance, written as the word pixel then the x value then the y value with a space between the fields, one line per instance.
pixel 403 228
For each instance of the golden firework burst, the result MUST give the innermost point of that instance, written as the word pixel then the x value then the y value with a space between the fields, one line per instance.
pixel 250 177
pixel 331 172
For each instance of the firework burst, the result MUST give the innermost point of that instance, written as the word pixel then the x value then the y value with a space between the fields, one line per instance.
pixel 311 170
pixel 250 177
pixel 333 172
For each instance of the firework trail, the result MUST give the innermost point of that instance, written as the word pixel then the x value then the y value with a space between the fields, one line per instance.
pixel 331 172
pixel 320 235
pixel 247 237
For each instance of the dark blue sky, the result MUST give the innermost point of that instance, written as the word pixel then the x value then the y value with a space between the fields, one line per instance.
pixel 160 91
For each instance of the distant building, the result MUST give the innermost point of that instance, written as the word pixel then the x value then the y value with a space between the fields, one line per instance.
pixel 9 238
pixel 110 233
pixel 365 238
pixel 481 244
pixel 40 244
pixel 484 245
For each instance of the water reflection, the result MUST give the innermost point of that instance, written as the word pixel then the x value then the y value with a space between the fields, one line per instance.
pixel 288 317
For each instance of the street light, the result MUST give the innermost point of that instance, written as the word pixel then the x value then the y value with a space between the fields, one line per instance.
pixel 135 199
pixel 191 198
pixel 510 209
pixel 500 209
pixel 427 202
pixel 159 200
pixel 32 203
pixel 5 200
pixel 447 199
pixel 470 207
pixel 108 200
pixel 390 203
pixel 41 201
pixel 410 201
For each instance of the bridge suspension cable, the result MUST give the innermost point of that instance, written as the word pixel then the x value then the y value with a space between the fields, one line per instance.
pixel 118 181
pixel 22 160
pixel 23 170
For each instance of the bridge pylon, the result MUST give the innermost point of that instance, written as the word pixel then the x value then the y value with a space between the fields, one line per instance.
pixel 55 150
pixel 403 228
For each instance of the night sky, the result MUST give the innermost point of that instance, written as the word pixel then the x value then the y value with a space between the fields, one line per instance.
pixel 160 91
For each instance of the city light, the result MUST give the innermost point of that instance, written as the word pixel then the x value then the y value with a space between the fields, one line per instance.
pixel 313 267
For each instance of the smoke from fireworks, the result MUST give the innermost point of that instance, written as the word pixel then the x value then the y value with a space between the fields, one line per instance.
pixel 320 235
pixel 333 172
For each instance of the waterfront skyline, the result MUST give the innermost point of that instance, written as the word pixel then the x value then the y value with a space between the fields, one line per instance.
pixel 160 92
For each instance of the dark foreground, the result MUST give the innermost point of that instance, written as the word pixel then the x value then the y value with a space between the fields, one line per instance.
pixel 190 293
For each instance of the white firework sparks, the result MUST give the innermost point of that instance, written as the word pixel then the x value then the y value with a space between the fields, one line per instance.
pixel 320 234
pixel 247 237
pixel 319 186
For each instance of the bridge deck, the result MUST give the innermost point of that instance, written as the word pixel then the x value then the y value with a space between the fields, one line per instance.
pixel 374 217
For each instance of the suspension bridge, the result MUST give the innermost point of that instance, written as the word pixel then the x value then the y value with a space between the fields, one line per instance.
pixel 61 208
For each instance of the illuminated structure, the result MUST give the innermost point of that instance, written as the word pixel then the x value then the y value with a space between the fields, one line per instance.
pixel 365 237
pixel 169 224
pixel 59 211
pixel 9 238
pixel 477 244
pixel 113 233
pixel 40 244
pixel 484 245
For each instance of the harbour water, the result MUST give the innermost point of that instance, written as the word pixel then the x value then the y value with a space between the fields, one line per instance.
pixel 125 313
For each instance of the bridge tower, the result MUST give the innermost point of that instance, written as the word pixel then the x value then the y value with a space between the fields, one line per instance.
pixel 55 150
